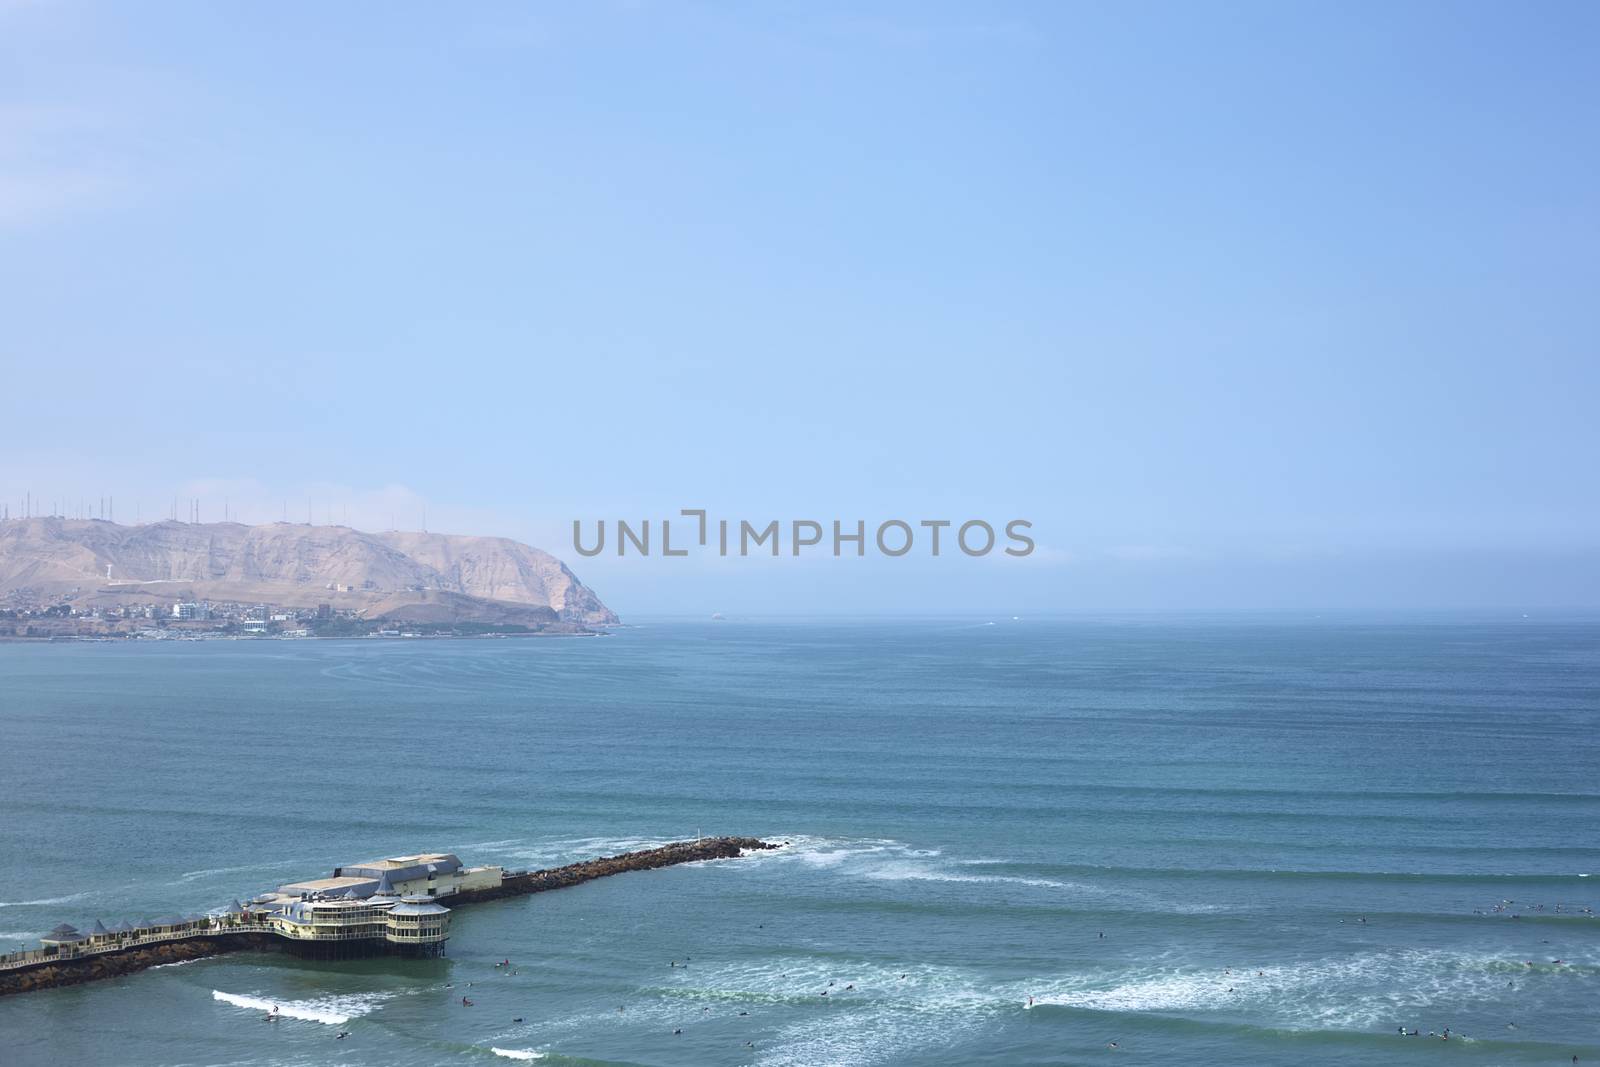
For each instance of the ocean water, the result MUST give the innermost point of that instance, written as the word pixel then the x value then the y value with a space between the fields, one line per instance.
pixel 1208 840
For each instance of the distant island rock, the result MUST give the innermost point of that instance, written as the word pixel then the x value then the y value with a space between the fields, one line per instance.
pixel 404 577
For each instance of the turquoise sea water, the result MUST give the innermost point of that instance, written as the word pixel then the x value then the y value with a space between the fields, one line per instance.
pixel 1293 835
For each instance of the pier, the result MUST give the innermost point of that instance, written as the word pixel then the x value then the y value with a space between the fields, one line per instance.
pixel 71 957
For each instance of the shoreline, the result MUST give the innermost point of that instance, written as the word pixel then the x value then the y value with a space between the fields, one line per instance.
pixel 133 639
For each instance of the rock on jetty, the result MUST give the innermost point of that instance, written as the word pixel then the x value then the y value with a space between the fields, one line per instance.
pixel 522 883
pixel 115 964
pixel 46 974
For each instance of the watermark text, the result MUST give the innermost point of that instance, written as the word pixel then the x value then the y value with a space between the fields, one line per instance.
pixel 695 531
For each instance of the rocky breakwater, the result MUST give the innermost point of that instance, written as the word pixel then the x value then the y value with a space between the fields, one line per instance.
pixel 520 883
pixel 52 973
pixel 48 973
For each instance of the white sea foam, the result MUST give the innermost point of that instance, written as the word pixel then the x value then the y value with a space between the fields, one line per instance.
pixel 887 860
pixel 330 1011
pixel 923 987
pixel 830 851
pixel 42 901
pixel 884 1015
pixel 881 1017
pixel 1354 992
pixel 190 876
pixel 914 872
pixel 857 1040
pixel 517 1053
pixel 482 846
pixel 573 849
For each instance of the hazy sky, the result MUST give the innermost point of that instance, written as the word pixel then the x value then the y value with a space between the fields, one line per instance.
pixel 1242 305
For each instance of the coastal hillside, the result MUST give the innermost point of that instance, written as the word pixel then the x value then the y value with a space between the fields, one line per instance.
pixel 402 576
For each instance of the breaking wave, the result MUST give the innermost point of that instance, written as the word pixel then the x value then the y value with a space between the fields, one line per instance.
pixel 888 860
pixel 1339 993
pixel 330 1011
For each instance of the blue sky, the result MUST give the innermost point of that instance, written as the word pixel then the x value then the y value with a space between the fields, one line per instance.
pixel 1242 305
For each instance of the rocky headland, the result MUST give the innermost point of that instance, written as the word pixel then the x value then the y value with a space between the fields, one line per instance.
pixel 94 565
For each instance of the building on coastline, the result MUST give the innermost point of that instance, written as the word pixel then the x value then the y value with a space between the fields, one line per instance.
pixel 332 928
pixel 388 906
pixel 430 874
